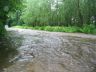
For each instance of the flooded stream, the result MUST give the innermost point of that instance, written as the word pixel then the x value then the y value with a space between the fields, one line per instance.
pixel 41 51
pixel 7 51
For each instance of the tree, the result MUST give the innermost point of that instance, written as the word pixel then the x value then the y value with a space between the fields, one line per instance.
pixel 7 6
pixel 59 12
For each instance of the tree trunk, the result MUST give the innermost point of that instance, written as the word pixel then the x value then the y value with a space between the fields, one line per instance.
pixel 79 14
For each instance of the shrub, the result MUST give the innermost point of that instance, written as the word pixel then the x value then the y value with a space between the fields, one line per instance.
pixel 88 28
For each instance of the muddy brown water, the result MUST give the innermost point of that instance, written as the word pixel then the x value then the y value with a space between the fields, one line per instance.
pixel 7 51
pixel 41 51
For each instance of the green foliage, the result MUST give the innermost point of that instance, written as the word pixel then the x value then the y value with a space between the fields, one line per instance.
pixel 59 12
pixel 88 29
pixel 51 28
pixel 1 28
pixel 7 6
pixel 57 15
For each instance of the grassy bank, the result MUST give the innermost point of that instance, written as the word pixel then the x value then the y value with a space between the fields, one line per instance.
pixel 71 29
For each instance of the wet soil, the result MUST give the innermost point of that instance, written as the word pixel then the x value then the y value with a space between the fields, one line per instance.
pixel 41 51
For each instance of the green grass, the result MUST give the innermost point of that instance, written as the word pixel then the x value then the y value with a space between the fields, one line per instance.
pixel 70 29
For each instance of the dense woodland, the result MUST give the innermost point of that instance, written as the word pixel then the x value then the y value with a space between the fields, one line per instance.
pixel 6 7
pixel 65 13
pixel 60 12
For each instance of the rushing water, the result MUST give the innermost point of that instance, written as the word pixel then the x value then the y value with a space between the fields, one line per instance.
pixel 40 51
pixel 7 51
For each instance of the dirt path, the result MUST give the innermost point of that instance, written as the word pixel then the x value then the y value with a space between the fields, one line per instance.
pixel 42 51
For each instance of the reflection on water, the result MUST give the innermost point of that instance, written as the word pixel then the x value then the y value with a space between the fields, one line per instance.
pixel 7 51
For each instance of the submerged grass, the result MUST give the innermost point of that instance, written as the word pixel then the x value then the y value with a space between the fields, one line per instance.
pixel 70 29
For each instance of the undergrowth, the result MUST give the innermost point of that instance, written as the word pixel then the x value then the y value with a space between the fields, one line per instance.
pixel 89 29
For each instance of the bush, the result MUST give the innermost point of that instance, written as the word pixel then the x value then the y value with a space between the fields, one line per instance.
pixel 88 29
pixel 85 29
pixel 71 29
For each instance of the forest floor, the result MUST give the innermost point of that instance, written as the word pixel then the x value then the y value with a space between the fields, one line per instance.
pixel 42 51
